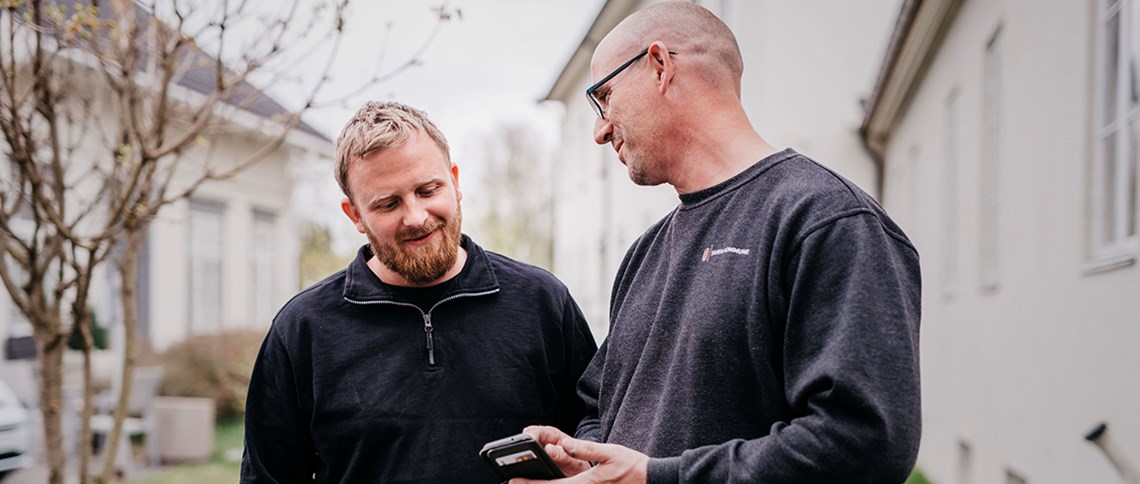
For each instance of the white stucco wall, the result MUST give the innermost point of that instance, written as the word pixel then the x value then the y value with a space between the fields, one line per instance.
pixel 1019 374
pixel 806 66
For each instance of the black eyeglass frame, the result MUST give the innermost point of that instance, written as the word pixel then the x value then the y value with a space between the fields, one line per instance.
pixel 597 105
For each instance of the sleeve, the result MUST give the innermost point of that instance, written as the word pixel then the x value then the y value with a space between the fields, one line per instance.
pixel 278 446
pixel 590 428
pixel 578 349
pixel 850 368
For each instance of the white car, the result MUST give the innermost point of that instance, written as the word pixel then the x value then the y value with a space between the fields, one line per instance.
pixel 15 434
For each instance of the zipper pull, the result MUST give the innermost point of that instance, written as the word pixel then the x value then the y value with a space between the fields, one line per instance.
pixel 430 343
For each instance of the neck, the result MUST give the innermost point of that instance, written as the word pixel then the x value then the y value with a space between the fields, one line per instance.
pixel 717 148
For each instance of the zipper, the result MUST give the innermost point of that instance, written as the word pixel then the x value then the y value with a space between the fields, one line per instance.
pixel 429 342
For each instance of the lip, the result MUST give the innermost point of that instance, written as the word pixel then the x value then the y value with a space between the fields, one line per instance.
pixel 422 240
pixel 617 149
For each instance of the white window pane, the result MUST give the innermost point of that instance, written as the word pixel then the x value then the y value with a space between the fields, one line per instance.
pixel 1128 185
pixel 1108 190
pixel 991 165
pixel 950 214
pixel 264 252
pixel 1111 68
pixel 205 267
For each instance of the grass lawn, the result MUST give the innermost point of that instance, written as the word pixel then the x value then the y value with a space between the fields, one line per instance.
pixel 227 435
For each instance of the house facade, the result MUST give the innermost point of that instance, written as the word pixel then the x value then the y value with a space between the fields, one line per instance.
pixel 806 66
pixel 1008 132
pixel 224 258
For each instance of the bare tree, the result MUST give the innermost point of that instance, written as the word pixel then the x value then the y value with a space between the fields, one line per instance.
pixel 515 213
pixel 110 111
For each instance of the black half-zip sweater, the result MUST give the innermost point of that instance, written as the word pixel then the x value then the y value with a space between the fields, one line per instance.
pixel 354 384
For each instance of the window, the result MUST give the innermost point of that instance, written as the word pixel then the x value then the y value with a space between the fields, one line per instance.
pixel 263 249
pixel 950 200
pixel 1113 193
pixel 205 266
pixel 991 165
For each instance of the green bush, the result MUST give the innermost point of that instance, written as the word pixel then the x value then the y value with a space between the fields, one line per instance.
pixel 215 366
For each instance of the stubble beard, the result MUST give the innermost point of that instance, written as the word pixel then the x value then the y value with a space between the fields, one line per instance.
pixel 641 174
pixel 421 265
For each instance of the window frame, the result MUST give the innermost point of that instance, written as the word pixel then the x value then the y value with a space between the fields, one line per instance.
pixel 1113 211
pixel 197 315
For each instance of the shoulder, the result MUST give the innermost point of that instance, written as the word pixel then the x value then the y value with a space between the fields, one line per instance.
pixel 800 181
pixel 810 195
pixel 320 298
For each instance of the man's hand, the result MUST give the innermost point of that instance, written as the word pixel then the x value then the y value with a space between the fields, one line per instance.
pixel 615 464
pixel 551 440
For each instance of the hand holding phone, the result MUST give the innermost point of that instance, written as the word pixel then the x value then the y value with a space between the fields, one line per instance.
pixel 520 456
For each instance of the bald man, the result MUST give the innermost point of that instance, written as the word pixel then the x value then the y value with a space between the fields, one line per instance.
pixel 765 331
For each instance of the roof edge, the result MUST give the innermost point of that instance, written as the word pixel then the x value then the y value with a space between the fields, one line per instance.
pixel 918 33
pixel 611 13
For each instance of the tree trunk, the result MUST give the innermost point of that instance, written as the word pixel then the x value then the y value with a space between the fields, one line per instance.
pixel 83 320
pixel 88 403
pixel 51 347
pixel 128 266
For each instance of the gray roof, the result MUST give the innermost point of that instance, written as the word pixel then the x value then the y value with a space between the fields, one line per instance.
pixel 201 75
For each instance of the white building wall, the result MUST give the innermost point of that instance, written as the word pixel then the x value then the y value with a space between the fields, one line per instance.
pixel 1018 374
pixel 267 187
pixel 806 66
pixel 807 63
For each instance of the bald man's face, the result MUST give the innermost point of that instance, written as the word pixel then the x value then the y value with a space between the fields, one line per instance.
pixel 630 124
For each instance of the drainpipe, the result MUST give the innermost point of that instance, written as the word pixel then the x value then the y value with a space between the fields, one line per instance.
pixel 1099 436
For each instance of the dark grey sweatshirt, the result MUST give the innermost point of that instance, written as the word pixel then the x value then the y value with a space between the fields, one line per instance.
pixel 765 331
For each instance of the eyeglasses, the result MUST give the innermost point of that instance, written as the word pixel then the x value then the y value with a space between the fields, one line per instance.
pixel 597 103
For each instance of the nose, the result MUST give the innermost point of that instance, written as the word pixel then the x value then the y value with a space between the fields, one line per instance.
pixel 603 131
pixel 415 214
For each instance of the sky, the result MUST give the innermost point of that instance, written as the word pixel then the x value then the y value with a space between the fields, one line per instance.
pixel 490 64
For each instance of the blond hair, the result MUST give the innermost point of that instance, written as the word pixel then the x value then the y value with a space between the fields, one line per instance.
pixel 381 126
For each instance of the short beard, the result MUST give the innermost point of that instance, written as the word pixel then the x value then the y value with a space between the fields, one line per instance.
pixel 422 265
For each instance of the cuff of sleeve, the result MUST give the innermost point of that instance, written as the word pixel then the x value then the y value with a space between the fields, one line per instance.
pixel 665 470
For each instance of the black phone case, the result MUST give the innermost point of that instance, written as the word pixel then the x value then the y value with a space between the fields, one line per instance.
pixel 541 467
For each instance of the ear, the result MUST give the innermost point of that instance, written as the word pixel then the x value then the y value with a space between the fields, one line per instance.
pixel 455 178
pixel 662 64
pixel 350 210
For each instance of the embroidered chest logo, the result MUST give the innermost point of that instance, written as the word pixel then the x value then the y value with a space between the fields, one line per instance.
pixel 711 252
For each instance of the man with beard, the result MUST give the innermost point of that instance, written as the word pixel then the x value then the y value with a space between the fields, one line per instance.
pixel 401 366
pixel 765 331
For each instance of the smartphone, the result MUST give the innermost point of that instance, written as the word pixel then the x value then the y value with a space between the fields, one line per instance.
pixel 520 456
